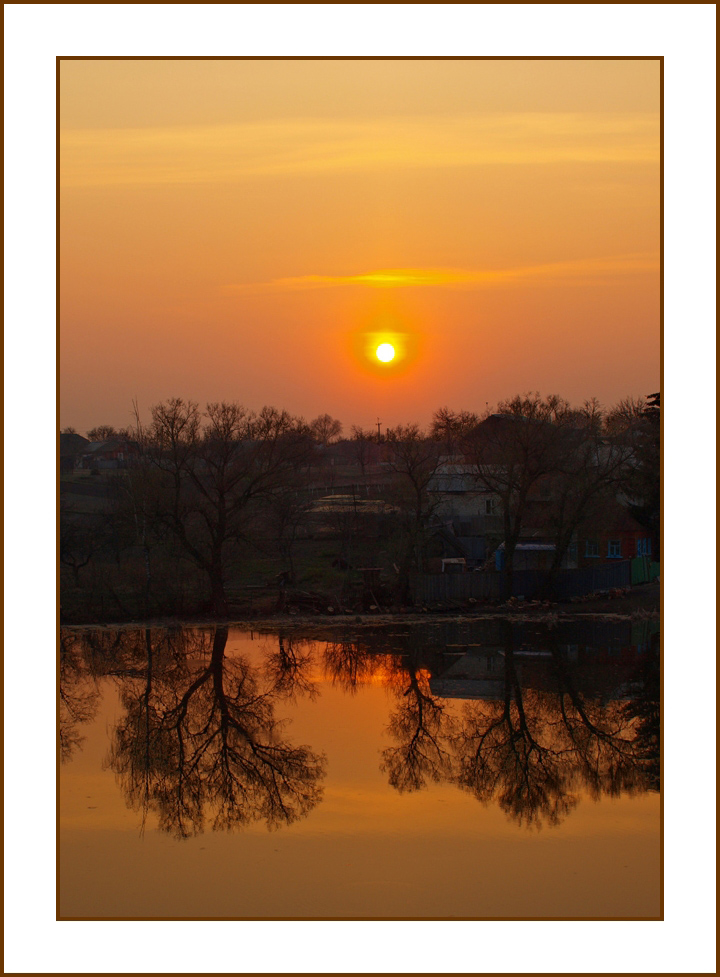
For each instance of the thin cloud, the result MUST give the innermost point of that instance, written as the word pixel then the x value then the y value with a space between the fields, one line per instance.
pixel 581 270
pixel 228 153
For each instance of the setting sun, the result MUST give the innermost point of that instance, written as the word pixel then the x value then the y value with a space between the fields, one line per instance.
pixel 385 352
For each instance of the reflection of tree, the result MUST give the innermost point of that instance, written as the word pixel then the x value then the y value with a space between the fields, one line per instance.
pixel 421 726
pixel 78 696
pixel 502 756
pixel 534 750
pixel 207 741
pixel 598 737
pixel 348 666
pixel 289 667
pixel 200 744
pixel 644 710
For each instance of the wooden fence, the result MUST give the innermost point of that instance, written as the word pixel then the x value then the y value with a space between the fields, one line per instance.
pixel 460 587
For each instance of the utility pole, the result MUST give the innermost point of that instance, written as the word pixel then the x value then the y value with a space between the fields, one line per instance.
pixel 378 424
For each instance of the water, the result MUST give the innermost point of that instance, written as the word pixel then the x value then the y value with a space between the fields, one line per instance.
pixel 484 770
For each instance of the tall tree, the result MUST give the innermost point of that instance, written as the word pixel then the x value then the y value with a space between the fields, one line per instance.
pixel 325 429
pixel 362 442
pixel 452 427
pixel 511 452
pixel 591 469
pixel 643 485
pixel 413 459
pixel 106 432
pixel 217 467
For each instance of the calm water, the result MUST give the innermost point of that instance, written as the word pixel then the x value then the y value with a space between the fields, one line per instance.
pixel 476 771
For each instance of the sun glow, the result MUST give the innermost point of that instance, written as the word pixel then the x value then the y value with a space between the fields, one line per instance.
pixel 386 351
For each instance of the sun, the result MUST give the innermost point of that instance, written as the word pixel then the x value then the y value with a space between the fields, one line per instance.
pixel 385 352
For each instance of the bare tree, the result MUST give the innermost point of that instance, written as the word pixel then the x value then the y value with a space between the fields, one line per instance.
pixel 511 451
pixel 413 458
pixel 325 429
pixel 362 445
pixel 637 424
pixel 286 511
pixel 217 467
pixel 453 427
pixel 82 536
pixel 106 432
pixel 590 473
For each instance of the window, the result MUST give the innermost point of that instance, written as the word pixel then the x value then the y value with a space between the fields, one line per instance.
pixel 644 547
pixel 592 548
pixel 490 505
pixel 614 548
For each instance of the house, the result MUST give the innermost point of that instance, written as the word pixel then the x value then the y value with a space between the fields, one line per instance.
pixel 72 447
pixel 459 499
pixel 108 455
pixel 614 534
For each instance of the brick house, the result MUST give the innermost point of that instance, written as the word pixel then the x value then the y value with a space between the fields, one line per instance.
pixel 613 535
pixel 107 455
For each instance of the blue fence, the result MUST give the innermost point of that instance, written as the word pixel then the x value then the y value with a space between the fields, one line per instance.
pixel 460 587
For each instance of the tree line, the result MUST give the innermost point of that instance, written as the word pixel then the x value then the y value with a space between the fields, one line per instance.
pixel 204 484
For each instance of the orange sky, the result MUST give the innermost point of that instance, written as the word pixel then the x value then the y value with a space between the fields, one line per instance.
pixel 236 229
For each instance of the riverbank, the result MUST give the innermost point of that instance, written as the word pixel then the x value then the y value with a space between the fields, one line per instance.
pixel 640 603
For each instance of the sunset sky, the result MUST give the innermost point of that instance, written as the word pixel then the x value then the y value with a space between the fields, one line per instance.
pixel 251 230
pixel 100 333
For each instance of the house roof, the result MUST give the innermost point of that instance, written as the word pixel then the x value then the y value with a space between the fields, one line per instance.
pixel 72 444
pixel 113 444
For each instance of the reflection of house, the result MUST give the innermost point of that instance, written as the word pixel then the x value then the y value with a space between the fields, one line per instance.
pixel 599 666
pixel 112 454
pixel 472 676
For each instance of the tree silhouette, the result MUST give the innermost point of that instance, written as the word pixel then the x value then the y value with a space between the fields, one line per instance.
pixel 325 429
pixel 79 696
pixel 534 750
pixel 502 756
pixel 511 452
pixel 205 746
pixel 422 728
pixel 216 468
pixel 451 427
pixel 413 459
pixel 348 665
pixel 289 668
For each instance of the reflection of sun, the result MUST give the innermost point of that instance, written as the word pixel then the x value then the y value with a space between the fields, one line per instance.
pixel 385 352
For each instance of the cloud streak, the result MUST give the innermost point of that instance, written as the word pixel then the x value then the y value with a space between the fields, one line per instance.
pixel 580 271
pixel 228 153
